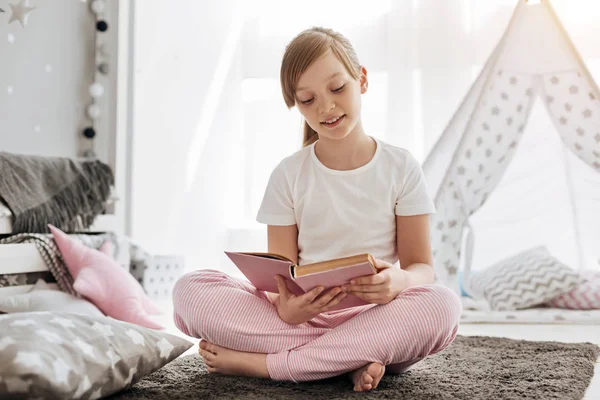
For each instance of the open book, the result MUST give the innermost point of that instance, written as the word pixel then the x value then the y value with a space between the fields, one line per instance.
pixel 260 268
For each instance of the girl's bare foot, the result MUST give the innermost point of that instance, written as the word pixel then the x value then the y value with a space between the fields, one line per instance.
pixel 367 377
pixel 230 362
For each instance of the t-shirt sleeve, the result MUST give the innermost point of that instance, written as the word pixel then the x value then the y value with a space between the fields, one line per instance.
pixel 413 197
pixel 277 207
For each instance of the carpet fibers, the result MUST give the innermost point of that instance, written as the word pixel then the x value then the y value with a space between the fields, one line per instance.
pixel 473 367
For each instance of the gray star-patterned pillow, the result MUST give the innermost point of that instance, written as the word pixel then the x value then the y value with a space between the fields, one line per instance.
pixel 62 355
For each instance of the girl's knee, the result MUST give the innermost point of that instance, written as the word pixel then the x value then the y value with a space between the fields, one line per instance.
pixel 191 296
pixel 433 315
pixel 190 283
pixel 201 276
pixel 446 310
pixel 448 304
pixel 436 308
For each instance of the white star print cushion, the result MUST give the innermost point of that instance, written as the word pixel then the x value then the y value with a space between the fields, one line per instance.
pixel 43 298
pixel 65 355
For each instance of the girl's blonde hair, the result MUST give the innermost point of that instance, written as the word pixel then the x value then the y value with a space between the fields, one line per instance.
pixel 301 52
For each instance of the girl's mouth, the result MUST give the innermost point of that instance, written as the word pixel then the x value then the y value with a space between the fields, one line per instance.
pixel 333 122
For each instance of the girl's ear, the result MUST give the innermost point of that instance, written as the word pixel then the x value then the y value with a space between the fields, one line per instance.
pixel 364 81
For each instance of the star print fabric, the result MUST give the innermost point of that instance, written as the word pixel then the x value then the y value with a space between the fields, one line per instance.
pixel 62 355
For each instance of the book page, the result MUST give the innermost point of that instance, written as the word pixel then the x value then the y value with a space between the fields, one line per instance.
pixel 329 265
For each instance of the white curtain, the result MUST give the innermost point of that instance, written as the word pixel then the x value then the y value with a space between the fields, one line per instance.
pixel 210 122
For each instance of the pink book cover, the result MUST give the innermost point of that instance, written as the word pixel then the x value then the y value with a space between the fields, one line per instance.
pixel 260 271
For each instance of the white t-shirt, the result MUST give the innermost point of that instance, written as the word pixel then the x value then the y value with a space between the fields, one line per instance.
pixel 343 213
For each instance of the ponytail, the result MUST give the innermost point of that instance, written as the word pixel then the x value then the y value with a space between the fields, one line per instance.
pixel 310 135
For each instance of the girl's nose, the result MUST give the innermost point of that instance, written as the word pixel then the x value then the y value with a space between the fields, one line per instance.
pixel 325 106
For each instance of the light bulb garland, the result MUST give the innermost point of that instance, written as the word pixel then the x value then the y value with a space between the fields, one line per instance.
pixel 96 90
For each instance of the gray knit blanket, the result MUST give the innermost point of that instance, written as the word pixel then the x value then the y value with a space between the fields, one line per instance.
pixel 60 191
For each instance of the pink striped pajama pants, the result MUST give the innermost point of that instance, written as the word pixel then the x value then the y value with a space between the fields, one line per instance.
pixel 231 313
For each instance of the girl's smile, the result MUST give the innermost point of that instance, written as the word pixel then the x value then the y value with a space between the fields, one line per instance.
pixel 333 122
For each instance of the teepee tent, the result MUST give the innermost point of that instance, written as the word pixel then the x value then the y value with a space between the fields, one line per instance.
pixel 503 184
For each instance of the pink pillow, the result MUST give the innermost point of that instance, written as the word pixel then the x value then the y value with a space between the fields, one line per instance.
pixel 107 248
pixel 105 283
pixel 584 297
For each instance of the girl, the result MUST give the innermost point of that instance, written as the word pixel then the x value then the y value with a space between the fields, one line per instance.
pixel 343 194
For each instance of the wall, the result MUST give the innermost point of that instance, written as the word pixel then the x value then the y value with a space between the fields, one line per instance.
pixel 46 69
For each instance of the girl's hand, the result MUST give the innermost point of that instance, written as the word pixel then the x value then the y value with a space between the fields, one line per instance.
pixel 382 287
pixel 296 310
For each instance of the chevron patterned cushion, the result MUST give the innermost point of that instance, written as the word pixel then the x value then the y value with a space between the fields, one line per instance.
pixel 525 280
pixel 584 297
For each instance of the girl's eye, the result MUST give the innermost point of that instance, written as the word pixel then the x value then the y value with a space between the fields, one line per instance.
pixel 339 89
pixel 306 101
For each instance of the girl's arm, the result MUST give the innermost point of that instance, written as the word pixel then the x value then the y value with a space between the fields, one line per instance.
pixel 283 240
pixel 414 249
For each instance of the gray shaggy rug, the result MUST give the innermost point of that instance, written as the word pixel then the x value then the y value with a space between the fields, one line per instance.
pixel 473 367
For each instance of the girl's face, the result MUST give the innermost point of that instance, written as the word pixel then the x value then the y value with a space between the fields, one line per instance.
pixel 329 98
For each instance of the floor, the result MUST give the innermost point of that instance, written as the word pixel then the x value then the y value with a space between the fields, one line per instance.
pixel 559 333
